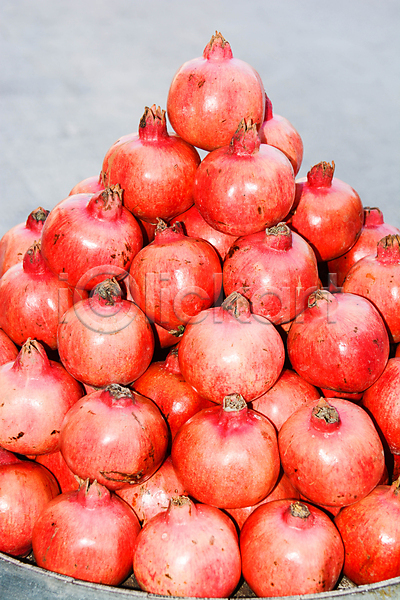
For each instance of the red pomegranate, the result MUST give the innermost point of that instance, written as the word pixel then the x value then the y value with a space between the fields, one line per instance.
pixel 246 186
pixel 209 95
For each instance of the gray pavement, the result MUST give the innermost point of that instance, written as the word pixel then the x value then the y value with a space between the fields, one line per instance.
pixel 75 75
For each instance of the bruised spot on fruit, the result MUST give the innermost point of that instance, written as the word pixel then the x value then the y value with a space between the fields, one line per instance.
pixel 201 83
pixel 232 251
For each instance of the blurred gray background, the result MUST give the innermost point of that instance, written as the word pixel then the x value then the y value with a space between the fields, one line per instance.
pixel 75 75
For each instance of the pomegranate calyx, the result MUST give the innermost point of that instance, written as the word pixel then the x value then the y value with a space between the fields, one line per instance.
pixel 279 237
pixel 318 296
pixel 38 215
pixel 395 487
pixel 108 292
pixel 388 249
pixel 234 403
pixel 33 261
pixel 327 412
pixel 153 124
pixel 178 332
pixel 299 510
pixel 118 391
pixel 171 363
pixel 32 355
pixel 237 305
pixel 245 141
pixel 372 216
pixel 92 494
pixel 165 234
pixel 269 113
pixel 218 48
pixel 321 175
pixel 106 204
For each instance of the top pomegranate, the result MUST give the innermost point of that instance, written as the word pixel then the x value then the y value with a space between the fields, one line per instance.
pixel 209 96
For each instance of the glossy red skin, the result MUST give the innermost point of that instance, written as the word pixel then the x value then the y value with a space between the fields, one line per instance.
pixel 373 230
pixel 152 496
pixel 175 277
pixel 156 174
pixel 114 440
pixel 339 344
pixel 92 337
pixel 56 464
pixel 276 280
pixel 163 383
pixel 284 555
pixel 86 248
pixel 25 489
pixel 333 467
pixel 16 241
pixel 283 489
pixel 209 95
pixel 381 401
pixel 329 218
pixel 397 353
pixel 219 353
pixel 379 282
pixel 35 395
pixel 188 550
pixel 227 459
pixel 371 535
pixel 287 394
pixel 241 195
pixel 90 185
pixel 32 301
pixel 277 131
pixel 196 226
pixel 87 535
pixel 8 350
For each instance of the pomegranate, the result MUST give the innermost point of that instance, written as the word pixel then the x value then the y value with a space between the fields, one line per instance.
pixel 90 185
pixel 164 384
pixel 329 214
pixel 105 339
pixel 88 534
pixel 175 277
pixel 16 241
pixel 277 131
pixel 339 342
pixel 377 277
pixel 188 550
pixel 275 269
pixel 91 237
pixel 371 535
pixel 227 348
pixel 156 170
pixel 209 95
pixel 8 350
pixel 36 393
pixel 373 230
pixel 25 489
pixel 331 452
pixel 263 189
pixel 381 401
pixel 283 489
pixel 56 464
pixel 115 436
pixel 153 495
pixel 227 455
pixel 195 226
pixel 287 394
pixel 290 547
pixel 33 299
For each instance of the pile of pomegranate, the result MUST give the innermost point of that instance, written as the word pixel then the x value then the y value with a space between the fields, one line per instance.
pixel 200 360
